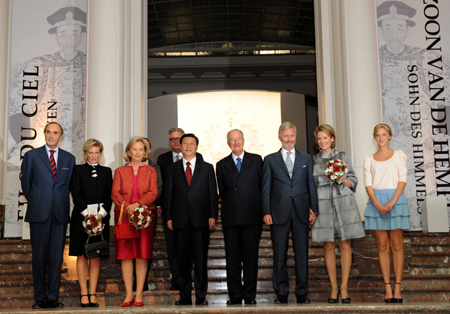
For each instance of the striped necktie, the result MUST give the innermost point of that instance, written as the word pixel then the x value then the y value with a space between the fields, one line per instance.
pixel 53 163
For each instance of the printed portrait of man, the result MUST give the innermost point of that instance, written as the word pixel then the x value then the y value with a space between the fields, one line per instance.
pixel 54 83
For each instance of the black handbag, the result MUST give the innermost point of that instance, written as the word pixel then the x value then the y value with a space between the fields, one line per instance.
pixel 96 249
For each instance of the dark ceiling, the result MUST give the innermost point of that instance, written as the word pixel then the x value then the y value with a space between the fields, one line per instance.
pixel 180 22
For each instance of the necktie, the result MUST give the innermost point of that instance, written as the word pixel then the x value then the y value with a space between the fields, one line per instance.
pixel 177 158
pixel 289 164
pixel 53 163
pixel 188 172
pixel 238 164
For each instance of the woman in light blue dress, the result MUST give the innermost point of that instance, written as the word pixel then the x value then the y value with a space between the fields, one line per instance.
pixel 387 210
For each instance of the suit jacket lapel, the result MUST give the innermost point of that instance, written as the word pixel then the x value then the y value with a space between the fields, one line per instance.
pixel 298 164
pixel 182 173
pixel 281 163
pixel 246 162
pixel 198 166
pixel 45 160
pixel 231 166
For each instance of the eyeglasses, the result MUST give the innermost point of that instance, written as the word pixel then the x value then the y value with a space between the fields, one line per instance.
pixel 174 139
pixel 236 139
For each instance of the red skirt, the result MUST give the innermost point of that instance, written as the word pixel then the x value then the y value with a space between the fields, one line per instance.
pixel 141 247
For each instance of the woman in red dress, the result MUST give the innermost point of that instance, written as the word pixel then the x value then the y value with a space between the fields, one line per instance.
pixel 136 185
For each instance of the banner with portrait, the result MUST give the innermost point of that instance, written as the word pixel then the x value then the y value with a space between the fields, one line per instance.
pixel 47 84
pixel 414 43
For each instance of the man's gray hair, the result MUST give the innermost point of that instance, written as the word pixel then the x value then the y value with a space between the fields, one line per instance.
pixel 286 126
pixel 175 129
pixel 228 134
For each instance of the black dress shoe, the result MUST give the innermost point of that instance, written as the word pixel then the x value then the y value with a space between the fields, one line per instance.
pixel 281 299
pixel 183 302
pixel 302 299
pixel 54 304
pixel 234 302
pixel 250 302
pixel 39 305
pixel 91 304
pixel 201 302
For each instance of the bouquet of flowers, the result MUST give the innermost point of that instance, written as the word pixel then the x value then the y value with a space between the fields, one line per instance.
pixel 93 225
pixel 335 169
pixel 141 218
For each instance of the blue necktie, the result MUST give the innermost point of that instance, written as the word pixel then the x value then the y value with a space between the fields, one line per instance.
pixel 238 164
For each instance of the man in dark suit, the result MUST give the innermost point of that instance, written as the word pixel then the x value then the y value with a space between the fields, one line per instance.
pixel 165 161
pixel 289 202
pixel 46 173
pixel 239 180
pixel 190 197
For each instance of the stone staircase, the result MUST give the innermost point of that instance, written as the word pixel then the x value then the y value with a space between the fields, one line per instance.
pixel 426 274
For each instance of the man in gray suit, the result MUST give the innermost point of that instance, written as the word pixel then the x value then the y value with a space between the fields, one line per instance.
pixel 289 202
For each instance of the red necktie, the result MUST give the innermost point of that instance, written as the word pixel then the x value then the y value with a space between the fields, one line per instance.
pixel 53 163
pixel 188 172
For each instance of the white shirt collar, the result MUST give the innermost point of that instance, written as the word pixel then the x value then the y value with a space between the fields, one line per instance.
pixel 192 161
pixel 284 154
pixel 48 149
pixel 236 157
pixel 174 155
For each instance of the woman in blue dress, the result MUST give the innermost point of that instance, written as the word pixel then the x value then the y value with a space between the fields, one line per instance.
pixel 387 210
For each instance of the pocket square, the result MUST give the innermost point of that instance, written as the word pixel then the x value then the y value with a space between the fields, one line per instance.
pixel 64 168
pixel 304 166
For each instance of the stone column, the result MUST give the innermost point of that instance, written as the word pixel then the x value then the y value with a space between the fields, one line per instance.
pixel 349 78
pixel 4 94
pixel 116 96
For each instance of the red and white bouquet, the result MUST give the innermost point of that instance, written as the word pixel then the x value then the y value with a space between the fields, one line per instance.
pixel 335 169
pixel 141 218
pixel 93 225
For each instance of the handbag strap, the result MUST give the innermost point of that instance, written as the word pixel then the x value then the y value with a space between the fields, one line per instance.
pixel 121 213
pixel 103 239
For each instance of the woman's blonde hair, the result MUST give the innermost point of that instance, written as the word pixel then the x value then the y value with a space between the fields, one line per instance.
pixel 131 143
pixel 384 126
pixel 92 142
pixel 328 129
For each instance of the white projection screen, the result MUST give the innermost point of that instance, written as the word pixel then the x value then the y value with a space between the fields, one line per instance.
pixel 211 115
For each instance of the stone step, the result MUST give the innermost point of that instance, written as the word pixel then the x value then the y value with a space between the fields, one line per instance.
pixel 317 284
pixel 431 257
pixel 429 269
pixel 430 247
pixel 372 308
pixel 264 296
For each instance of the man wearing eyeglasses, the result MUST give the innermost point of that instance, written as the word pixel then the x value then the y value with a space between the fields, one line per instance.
pixel 239 180
pixel 165 161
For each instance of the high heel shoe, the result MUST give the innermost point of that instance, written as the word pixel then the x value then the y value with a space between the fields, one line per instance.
pixel 84 304
pixel 333 301
pixel 136 303
pixel 398 300
pixel 390 300
pixel 91 304
pixel 129 303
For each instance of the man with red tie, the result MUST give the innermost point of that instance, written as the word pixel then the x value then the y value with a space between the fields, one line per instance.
pixel 190 197
pixel 46 173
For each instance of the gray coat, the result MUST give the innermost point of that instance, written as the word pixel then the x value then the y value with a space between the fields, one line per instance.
pixel 341 196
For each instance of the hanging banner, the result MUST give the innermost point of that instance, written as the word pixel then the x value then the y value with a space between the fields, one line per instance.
pixel 414 40
pixel 47 84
